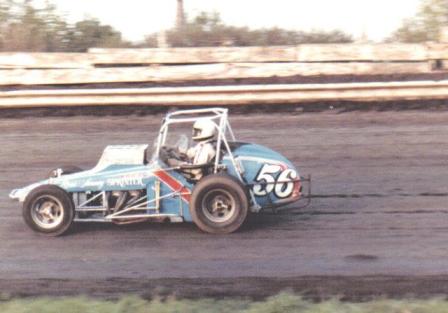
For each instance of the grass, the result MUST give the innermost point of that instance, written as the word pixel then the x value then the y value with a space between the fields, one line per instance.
pixel 282 303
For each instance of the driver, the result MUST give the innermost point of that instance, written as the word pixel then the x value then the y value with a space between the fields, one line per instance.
pixel 204 132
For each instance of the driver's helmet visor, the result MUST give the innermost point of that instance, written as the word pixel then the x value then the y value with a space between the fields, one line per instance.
pixel 196 132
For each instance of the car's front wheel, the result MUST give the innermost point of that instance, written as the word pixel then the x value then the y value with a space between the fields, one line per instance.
pixel 48 209
pixel 219 204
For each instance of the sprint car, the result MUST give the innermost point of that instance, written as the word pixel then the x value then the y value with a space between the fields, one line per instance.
pixel 125 187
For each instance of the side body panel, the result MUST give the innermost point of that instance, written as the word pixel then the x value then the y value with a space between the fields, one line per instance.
pixel 174 189
pixel 273 179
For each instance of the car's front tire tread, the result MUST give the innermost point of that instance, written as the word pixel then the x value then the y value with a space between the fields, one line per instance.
pixel 53 192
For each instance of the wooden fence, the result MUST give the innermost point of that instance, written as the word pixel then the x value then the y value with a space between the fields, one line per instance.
pixel 191 64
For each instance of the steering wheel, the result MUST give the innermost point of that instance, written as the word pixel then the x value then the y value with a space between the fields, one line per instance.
pixel 171 153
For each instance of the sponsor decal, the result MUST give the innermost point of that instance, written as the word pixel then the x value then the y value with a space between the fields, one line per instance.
pixel 127 180
pixel 93 184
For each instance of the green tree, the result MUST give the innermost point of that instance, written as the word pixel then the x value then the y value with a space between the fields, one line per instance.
pixel 57 30
pixel 23 27
pixel 4 17
pixel 91 33
pixel 4 10
pixel 207 29
pixel 426 25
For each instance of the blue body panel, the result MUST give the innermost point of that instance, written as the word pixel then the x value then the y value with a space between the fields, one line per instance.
pixel 254 158
pixel 130 177
pixel 261 165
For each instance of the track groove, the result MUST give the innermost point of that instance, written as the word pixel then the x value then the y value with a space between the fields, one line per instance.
pixel 379 208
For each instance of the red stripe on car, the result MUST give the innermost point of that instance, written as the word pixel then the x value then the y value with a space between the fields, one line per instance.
pixel 174 184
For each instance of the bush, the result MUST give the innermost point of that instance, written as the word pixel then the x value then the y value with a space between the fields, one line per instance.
pixel 282 303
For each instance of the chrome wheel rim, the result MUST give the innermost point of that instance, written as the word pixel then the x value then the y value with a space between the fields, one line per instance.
pixel 218 206
pixel 47 212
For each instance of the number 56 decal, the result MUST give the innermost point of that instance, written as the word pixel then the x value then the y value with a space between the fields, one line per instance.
pixel 283 186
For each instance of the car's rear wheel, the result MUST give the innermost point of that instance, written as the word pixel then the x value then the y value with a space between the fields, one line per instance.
pixel 48 210
pixel 219 204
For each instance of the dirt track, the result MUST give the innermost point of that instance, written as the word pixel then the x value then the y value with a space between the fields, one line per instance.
pixel 380 208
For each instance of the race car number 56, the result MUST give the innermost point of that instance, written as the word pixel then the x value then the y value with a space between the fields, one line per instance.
pixel 265 182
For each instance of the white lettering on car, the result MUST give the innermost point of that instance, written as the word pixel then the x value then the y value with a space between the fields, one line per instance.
pixel 266 181
pixel 127 180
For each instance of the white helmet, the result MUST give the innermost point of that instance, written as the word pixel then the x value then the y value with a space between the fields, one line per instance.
pixel 203 129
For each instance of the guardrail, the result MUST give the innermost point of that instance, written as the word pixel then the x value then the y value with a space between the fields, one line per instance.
pixel 188 64
pixel 226 95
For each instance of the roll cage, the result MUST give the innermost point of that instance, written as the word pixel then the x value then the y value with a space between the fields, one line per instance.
pixel 219 116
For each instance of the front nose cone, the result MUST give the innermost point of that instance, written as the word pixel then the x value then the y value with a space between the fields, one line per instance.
pixel 13 194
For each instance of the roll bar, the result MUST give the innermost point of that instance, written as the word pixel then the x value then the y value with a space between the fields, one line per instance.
pixel 220 118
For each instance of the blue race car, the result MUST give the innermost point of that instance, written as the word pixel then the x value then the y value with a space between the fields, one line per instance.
pixel 124 187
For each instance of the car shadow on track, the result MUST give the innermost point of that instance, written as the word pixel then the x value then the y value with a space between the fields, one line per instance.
pixel 254 222
pixel 81 228
pixel 271 221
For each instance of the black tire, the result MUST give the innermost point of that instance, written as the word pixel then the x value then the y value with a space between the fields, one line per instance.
pixel 59 208
pixel 219 204
pixel 65 171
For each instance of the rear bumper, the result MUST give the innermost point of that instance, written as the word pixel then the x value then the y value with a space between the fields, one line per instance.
pixel 303 193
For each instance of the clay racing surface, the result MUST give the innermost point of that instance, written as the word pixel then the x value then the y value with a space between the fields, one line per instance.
pixel 377 225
